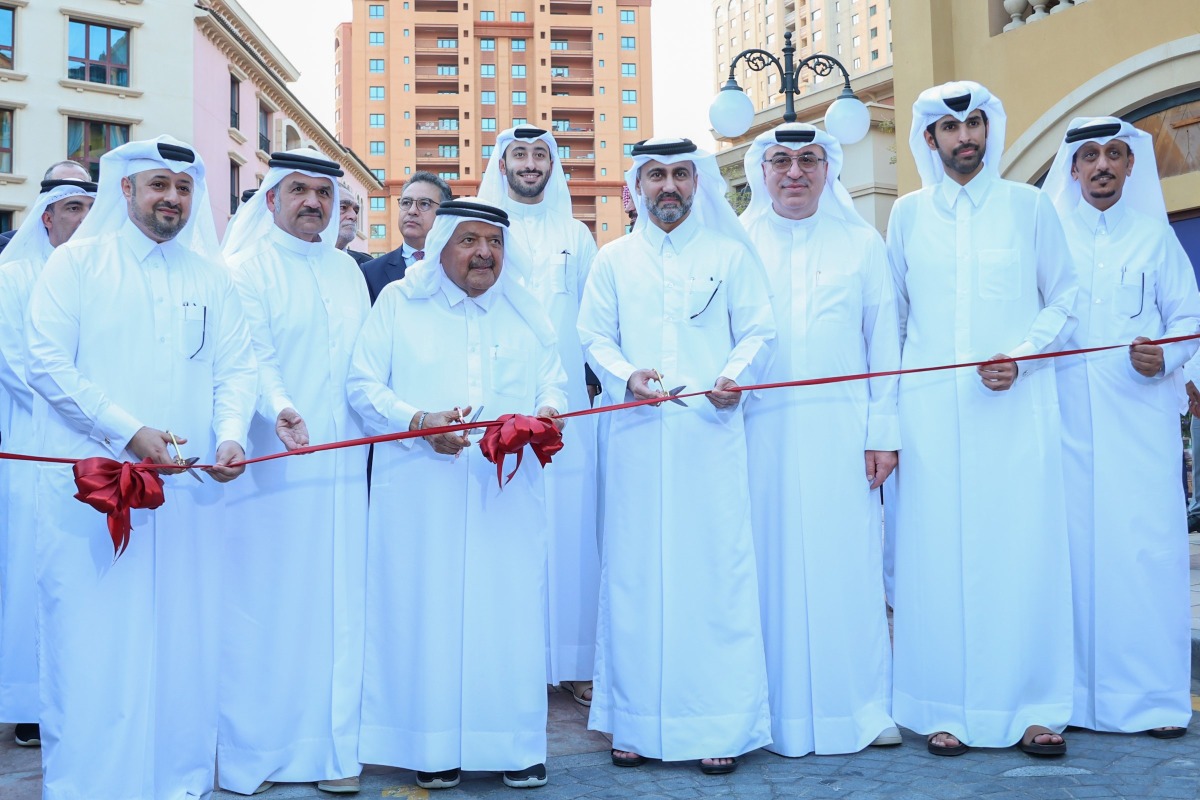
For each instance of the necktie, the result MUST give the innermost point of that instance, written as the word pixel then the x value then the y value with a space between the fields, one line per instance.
pixel 417 255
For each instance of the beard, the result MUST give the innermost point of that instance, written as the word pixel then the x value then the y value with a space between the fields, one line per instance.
pixel 161 228
pixel 963 166
pixel 671 215
pixel 522 189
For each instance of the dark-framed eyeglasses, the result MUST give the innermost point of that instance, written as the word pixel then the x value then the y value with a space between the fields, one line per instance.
pixel 423 204
pixel 782 163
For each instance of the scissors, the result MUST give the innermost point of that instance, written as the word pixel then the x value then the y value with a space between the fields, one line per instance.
pixel 671 394
pixel 474 418
pixel 186 463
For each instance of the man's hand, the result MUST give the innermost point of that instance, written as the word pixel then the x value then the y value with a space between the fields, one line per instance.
pixel 999 373
pixel 1147 359
pixel 546 412
pixel 448 444
pixel 291 429
pixel 880 464
pixel 721 397
pixel 151 443
pixel 1193 399
pixel 639 384
pixel 227 453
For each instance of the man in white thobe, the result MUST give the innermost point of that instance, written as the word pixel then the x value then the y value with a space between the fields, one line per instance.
pixel 818 454
pixel 292 625
pixel 683 302
pixel 525 177
pixel 1129 553
pixel 66 196
pixel 982 591
pixel 455 665
pixel 135 329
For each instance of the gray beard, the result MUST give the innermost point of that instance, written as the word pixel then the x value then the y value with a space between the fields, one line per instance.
pixel 670 217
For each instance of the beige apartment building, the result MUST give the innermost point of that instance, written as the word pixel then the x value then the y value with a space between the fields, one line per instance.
pixel 425 85
pixel 855 32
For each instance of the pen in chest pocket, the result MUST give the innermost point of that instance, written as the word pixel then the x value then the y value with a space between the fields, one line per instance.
pixel 191 312
pixel 707 303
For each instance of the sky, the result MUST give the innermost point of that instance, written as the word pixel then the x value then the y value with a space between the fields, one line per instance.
pixel 684 83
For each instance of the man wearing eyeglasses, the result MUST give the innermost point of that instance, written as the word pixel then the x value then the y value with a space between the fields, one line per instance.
pixel 816 518
pixel 1129 563
pixel 419 201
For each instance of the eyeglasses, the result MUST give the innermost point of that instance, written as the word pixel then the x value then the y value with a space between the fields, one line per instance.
pixel 423 205
pixel 782 163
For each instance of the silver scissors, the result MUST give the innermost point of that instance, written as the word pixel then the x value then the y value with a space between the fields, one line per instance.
pixel 671 394
pixel 186 463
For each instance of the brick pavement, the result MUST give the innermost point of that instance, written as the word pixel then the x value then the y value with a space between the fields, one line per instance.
pixel 1097 766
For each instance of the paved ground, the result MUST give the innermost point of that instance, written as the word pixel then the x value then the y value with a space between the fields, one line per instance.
pixel 1098 766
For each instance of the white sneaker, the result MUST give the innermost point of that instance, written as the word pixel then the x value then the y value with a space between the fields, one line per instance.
pixel 340 786
pixel 889 738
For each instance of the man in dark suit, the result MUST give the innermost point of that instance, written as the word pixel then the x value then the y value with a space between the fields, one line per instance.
pixel 348 227
pixel 419 200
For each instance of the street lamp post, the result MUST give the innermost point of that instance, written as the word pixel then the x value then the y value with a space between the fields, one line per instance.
pixel 732 112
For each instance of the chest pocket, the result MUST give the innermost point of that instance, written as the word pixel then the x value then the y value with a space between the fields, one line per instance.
pixel 999 275
pixel 1135 291
pixel 558 275
pixel 191 327
pixel 833 296
pixel 705 302
pixel 510 372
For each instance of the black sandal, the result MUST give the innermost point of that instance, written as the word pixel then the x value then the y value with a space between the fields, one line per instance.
pixel 943 750
pixel 626 761
pixel 720 769
pixel 1028 745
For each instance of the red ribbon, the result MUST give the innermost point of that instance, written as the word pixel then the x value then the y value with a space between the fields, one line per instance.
pixel 114 488
pixel 510 437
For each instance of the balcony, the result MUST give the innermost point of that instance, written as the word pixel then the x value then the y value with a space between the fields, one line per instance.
pixel 434 5
pixel 429 45
pixel 584 211
pixel 1023 12
pixel 562 44
pixel 439 127
pixel 569 75
pixel 581 7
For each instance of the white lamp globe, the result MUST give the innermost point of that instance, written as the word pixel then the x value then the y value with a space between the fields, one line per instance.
pixel 848 119
pixel 731 113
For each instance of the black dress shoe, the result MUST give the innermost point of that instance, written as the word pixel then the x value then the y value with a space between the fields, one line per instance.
pixel 28 734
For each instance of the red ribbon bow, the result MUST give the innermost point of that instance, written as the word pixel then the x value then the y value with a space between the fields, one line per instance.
pixel 511 436
pixel 114 488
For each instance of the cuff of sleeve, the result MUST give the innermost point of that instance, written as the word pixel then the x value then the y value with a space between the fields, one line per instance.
pixel 1176 355
pixel 115 428
pixel 399 418
pixel 555 399
pixel 883 432
pixel 1025 368
pixel 736 371
pixel 277 403
pixel 231 432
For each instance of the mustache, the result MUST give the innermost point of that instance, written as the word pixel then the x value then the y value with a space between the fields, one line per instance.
pixel 308 212
pixel 482 263
pixel 178 209
pixel 670 196
pixel 1100 175
pixel 963 147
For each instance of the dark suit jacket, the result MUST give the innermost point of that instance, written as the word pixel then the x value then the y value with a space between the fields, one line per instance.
pixel 359 258
pixel 381 271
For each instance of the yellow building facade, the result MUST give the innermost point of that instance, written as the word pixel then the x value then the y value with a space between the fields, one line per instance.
pixel 425 85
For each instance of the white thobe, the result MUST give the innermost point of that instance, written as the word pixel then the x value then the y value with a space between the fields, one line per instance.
pixel 982 576
pixel 561 250
pixel 123 333
pixel 680 670
pixel 1127 520
pixel 817 526
pixel 18 479
pixel 292 623
pixel 455 672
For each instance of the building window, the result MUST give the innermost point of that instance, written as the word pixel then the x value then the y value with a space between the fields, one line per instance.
pixel 627 150
pixel 518 71
pixel 874 55
pixel 488 123
pixel 376 93
pixel 816 36
pixel 561 72
pixel 628 70
pixel 447 44
pixel 628 43
pixel 378 231
pixel 487 70
pixel 816 15
pixel 379 204
pixel 519 121
pixel 380 174
pixel 235 185
pixel 378 148
pixel 873 32
pixel 98 54
pixel 559 44
pixel 870 11
pixel 7 38
pixel 855 41
pixel 487 98
pixel 564 151
pixel 628 95
pixel 375 11
pixel 516 16
pixel 375 38
pixel 448 123
pixel 6 140
pixel 447 151
pixel 487 16
pixel 628 16
pixel 448 176
pixel 518 98
pixel 447 69
pixel 89 139
pixel 235 101
pixel 6 221
pixel 629 123
pixel 560 125
pixel 487 44
pixel 858 63
pixel 375 65
pixel 264 129
pixel 486 150
pixel 518 45
pixel 377 120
